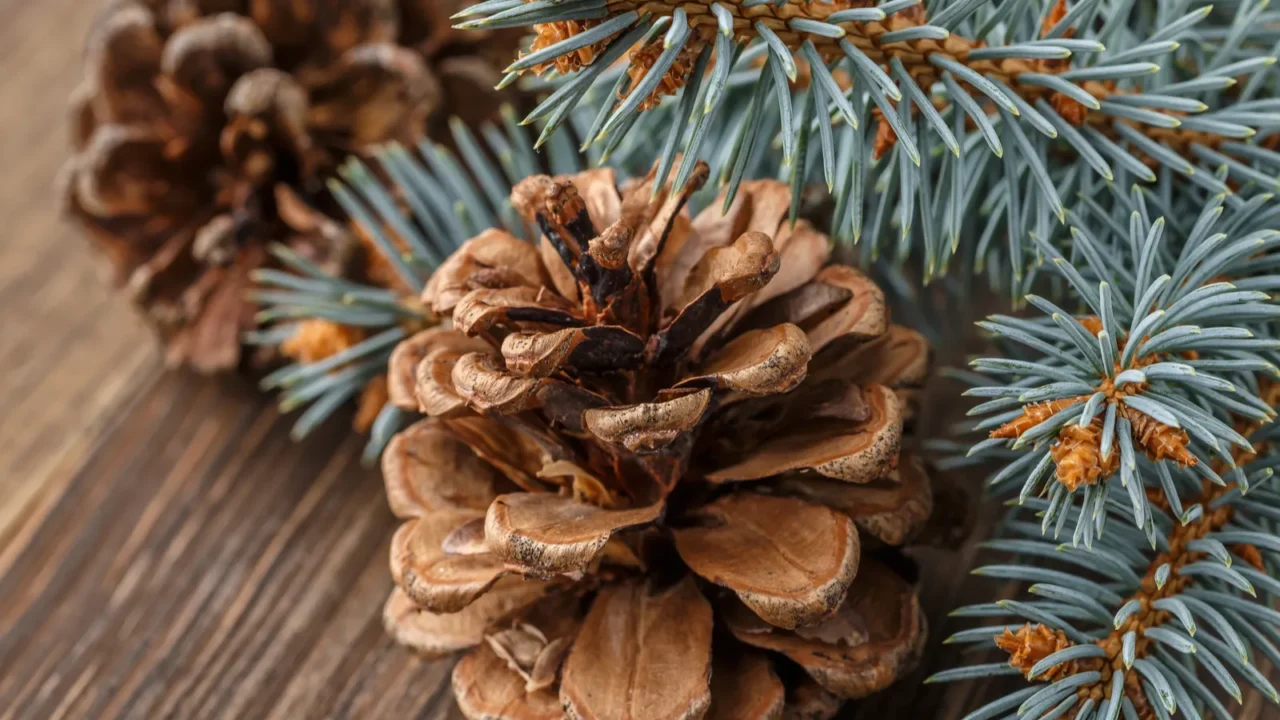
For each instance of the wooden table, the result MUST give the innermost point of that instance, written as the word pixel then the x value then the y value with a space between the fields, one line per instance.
pixel 165 549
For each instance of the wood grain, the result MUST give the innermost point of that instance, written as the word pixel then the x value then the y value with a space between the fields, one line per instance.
pixel 71 349
pixel 203 565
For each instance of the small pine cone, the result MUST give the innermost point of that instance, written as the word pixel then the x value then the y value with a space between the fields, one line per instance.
pixel 642 59
pixel 1053 17
pixel 885 139
pixel 1071 110
pixel 1033 643
pixel 1032 415
pixel 1137 695
pixel 203 132
pixel 1269 391
pixel 1160 441
pixel 1077 453
pixel 548 34
pixel 1157 497
pixel 1091 323
pixel 642 424
pixel 1251 555
pixel 317 339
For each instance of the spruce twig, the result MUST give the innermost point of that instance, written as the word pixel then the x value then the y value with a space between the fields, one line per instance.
pixel 1063 96
pixel 1154 402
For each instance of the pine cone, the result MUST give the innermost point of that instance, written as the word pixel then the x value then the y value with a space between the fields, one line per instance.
pixel 204 130
pixel 645 422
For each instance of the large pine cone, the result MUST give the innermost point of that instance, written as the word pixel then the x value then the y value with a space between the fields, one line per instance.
pixel 204 129
pixel 645 422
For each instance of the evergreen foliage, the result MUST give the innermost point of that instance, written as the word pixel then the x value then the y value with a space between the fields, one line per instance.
pixel 956 126
pixel 1143 424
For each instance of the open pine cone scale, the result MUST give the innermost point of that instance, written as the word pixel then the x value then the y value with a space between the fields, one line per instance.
pixel 647 422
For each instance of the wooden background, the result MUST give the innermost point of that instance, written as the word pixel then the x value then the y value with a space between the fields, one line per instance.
pixel 165 549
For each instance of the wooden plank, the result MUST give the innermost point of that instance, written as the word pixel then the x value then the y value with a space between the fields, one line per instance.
pixel 201 564
pixel 72 349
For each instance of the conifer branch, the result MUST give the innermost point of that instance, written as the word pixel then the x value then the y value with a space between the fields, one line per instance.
pixel 1154 618
pixel 1196 604
pixel 888 105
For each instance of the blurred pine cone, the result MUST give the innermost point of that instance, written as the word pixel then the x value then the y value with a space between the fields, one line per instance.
pixel 646 423
pixel 204 130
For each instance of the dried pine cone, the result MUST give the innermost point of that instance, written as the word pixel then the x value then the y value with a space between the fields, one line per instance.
pixel 645 422
pixel 204 130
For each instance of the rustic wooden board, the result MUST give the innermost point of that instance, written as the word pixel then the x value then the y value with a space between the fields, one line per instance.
pixel 201 564
pixel 70 350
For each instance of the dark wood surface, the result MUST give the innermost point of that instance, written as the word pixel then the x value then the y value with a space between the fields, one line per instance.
pixel 201 564
pixel 165 550
pixel 69 351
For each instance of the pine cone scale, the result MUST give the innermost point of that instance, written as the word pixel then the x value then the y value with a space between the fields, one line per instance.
pixel 880 602
pixel 790 561
pixel 439 581
pixel 892 509
pixel 759 362
pixel 745 687
pixel 642 652
pixel 432 634
pixel 484 687
pixel 546 535
pixel 859 454
pixel 427 467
